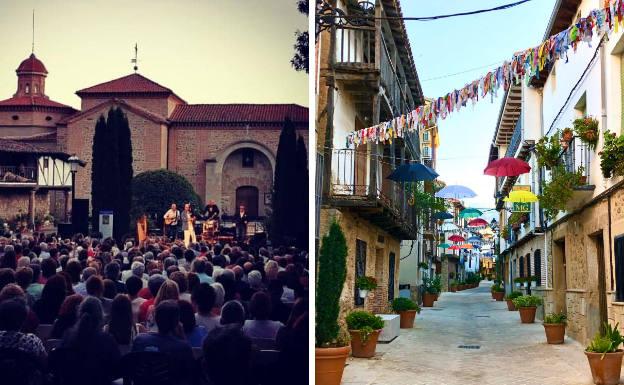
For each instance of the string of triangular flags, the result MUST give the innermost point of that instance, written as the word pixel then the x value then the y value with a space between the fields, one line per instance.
pixel 523 65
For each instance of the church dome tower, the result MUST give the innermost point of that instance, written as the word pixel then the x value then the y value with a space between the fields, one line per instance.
pixel 31 75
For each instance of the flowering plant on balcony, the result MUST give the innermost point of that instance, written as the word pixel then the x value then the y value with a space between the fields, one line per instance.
pixel 587 129
pixel 549 151
pixel 566 137
pixel 557 192
pixel 505 233
pixel 612 155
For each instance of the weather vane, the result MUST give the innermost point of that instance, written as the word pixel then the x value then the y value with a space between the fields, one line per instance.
pixel 136 57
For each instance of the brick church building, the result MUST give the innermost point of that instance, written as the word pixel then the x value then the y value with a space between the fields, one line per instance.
pixel 226 151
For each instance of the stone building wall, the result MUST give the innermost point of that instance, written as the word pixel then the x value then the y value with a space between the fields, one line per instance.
pixel 14 201
pixel 377 258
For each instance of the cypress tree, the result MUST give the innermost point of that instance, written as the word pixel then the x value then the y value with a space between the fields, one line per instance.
pixel 98 170
pixel 112 165
pixel 301 183
pixel 284 187
pixel 126 172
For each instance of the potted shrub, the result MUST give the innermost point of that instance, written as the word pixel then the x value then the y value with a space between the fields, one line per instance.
pixel 527 305
pixel 510 297
pixel 429 296
pixel 548 151
pixel 532 281
pixel 556 193
pixel 605 357
pixel 365 284
pixel 406 309
pixel 423 265
pixel 331 350
pixel 587 130
pixel 453 286
pixel 498 292
pixel 519 281
pixel 554 327
pixel 437 285
pixel 612 155
pixel 566 136
pixel 364 328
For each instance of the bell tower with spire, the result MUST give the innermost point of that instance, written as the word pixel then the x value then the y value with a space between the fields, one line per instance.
pixel 31 75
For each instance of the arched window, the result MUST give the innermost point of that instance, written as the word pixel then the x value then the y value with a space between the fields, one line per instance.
pixel 27 90
pixel 36 89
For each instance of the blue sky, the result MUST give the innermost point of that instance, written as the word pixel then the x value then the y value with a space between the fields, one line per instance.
pixel 448 46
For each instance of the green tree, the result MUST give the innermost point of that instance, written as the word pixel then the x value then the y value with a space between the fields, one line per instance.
pixel 332 271
pixel 154 191
pixel 301 183
pixel 124 200
pixel 300 60
pixel 285 209
pixel 104 169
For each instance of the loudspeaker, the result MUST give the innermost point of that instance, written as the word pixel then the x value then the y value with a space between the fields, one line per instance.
pixel 80 216
pixel 65 230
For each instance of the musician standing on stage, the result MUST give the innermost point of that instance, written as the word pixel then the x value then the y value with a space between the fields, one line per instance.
pixel 211 212
pixel 241 223
pixel 188 225
pixel 172 216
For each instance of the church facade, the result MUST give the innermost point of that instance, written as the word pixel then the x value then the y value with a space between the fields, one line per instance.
pixel 226 151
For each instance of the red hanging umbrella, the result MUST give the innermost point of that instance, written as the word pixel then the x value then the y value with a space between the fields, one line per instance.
pixel 454 247
pixel 456 238
pixel 507 166
pixel 477 222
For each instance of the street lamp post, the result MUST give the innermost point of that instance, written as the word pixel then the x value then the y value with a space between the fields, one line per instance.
pixel 74 162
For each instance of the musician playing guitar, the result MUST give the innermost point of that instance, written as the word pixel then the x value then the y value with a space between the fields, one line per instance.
pixel 172 216
pixel 188 225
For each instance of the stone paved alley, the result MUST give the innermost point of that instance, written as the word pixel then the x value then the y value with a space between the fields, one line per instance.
pixel 510 352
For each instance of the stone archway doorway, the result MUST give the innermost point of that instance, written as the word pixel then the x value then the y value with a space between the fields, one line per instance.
pixel 249 197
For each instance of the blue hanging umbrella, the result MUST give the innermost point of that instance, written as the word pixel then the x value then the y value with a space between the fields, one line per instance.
pixel 412 172
pixel 442 215
pixel 474 239
pixel 455 192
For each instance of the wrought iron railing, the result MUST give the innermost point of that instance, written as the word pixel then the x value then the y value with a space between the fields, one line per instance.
pixel 18 174
pixel 577 157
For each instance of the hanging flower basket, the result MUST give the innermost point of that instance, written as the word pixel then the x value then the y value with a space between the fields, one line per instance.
pixel 587 130
pixel 566 136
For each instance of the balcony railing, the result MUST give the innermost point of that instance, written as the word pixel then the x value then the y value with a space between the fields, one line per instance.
pixel 351 181
pixel 577 156
pixel 395 86
pixel 516 139
pixel 355 45
pixel 18 174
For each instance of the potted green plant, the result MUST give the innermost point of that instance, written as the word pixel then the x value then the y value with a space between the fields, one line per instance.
pixel 509 299
pixel 612 155
pixel 566 136
pixel 430 291
pixel 423 265
pixel 532 281
pixel 527 305
pixel 498 292
pixel 364 328
pixel 556 193
pixel 365 284
pixel 554 327
pixel 519 281
pixel 437 284
pixel 605 357
pixel 406 309
pixel 549 151
pixel 453 286
pixel 587 130
pixel 331 350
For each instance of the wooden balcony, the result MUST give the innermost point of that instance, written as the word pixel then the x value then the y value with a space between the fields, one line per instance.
pixel 18 176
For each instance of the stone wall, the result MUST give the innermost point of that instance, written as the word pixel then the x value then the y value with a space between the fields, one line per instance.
pixel 377 258
pixel 14 201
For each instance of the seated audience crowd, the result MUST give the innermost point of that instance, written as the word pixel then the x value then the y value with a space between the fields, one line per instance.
pixel 222 314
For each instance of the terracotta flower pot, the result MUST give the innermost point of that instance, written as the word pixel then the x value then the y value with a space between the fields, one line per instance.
pixel 407 318
pixel 360 349
pixel 436 296
pixel 555 333
pixel 510 305
pixel 498 295
pixel 605 370
pixel 428 299
pixel 453 289
pixel 527 314
pixel 330 363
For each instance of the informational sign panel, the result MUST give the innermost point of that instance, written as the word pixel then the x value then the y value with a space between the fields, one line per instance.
pixel 106 223
pixel 521 207
pixel 521 187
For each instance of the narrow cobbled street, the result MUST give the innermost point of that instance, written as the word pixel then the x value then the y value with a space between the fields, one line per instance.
pixel 509 352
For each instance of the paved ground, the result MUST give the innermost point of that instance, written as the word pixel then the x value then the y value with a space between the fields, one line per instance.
pixel 510 352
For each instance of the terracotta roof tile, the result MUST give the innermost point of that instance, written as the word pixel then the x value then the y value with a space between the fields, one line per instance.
pixel 34 101
pixel 238 113
pixel 130 84
pixel 31 64
pixel 14 146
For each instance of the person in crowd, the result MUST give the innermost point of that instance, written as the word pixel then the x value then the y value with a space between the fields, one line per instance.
pixel 23 278
pixel 233 313
pixel 168 291
pixel 81 286
pixel 52 297
pixel 67 316
pixel 7 275
pixel 203 270
pixel 35 287
pixel 182 281
pixel 95 288
pixel 227 357
pixel 13 313
pixel 12 291
pixel 133 285
pixel 97 350
pixel 194 333
pixel 112 272
pixel 110 290
pixel 153 285
pixel 121 325
pixel 260 326
pixel 203 298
